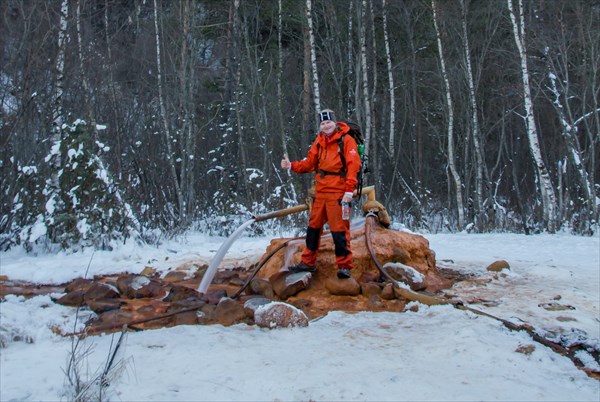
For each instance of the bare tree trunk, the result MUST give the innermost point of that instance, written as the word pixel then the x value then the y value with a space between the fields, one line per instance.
pixel 57 103
pixel 480 168
pixel 451 161
pixel 279 72
pixel 546 187
pixel 113 91
pixel 365 77
pixel 392 95
pixel 84 79
pixel 350 106
pixel 163 113
pixel 313 57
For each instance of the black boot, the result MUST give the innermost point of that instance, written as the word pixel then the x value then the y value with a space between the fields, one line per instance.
pixel 343 273
pixel 302 267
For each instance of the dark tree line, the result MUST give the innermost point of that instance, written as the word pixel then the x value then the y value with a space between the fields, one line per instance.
pixel 127 117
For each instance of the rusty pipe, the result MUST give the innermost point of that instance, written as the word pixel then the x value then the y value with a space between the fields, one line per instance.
pixel 368 191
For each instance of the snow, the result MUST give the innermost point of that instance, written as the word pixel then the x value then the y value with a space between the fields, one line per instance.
pixel 434 353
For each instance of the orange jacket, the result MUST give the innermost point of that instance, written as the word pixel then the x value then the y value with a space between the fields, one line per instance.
pixel 324 155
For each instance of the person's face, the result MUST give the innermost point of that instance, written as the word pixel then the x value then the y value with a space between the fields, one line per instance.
pixel 327 127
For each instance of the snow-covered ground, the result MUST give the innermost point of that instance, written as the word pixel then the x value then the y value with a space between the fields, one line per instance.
pixel 436 353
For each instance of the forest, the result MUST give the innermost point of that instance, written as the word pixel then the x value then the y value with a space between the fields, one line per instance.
pixel 145 118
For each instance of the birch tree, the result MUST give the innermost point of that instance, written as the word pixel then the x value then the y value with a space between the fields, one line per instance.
pixel 450 127
pixel 313 57
pixel 545 183
pixel 480 166
pixel 365 76
pixel 391 89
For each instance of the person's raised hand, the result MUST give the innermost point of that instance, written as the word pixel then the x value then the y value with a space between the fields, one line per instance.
pixel 285 162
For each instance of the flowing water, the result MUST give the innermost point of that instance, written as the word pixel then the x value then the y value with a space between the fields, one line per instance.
pixel 214 264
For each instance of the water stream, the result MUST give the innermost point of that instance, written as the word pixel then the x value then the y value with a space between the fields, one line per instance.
pixel 216 261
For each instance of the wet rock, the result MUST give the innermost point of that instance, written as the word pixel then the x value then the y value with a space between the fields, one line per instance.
pixel 497 266
pixel 279 315
pixel 388 292
pixel 406 274
pixel 178 292
pixel 215 296
pixel 103 305
pixel 252 304
pixel 262 287
pixel 342 287
pixel 370 289
pixel 115 318
pixel 100 290
pixel 286 284
pixel 228 312
pixel 72 299
pixel 139 287
pixel 175 276
pixel 79 284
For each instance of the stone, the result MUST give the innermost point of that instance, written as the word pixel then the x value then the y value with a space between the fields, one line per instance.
pixel 100 306
pixel 259 286
pixel 405 274
pixel 215 296
pixel 498 266
pixel 370 289
pixel 100 290
pixel 279 315
pixel 178 292
pixel 256 302
pixel 139 287
pixel 286 284
pixel 388 292
pixel 175 276
pixel 229 312
pixel 79 284
pixel 116 317
pixel 148 271
pixel 72 299
pixel 342 287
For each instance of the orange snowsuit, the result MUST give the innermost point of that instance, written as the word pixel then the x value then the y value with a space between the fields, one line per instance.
pixel 332 182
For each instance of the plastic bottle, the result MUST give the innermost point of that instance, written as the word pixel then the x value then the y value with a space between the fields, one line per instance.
pixel 345 211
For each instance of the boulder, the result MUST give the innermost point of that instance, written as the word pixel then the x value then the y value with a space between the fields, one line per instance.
pixel 100 290
pixel 498 266
pixel 369 289
pixel 139 287
pixel 79 284
pixel 261 287
pixel 406 274
pixel 342 287
pixel 286 283
pixel 178 292
pixel 72 299
pixel 100 306
pixel 228 312
pixel 279 315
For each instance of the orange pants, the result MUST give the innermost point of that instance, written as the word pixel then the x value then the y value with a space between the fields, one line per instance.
pixel 327 208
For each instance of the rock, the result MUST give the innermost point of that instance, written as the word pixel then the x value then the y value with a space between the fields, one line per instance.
pixel 215 296
pixel 388 292
pixel 175 276
pixel 254 303
pixel 228 312
pixel 103 305
pixel 369 276
pixel 148 271
pixel 72 299
pixel 497 266
pixel 370 289
pixel 139 287
pixel 116 317
pixel 178 292
pixel 342 287
pixel 261 287
pixel 406 274
pixel 100 290
pixel 286 284
pixel 79 284
pixel 279 315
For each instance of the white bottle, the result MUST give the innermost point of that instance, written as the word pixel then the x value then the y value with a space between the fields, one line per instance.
pixel 345 211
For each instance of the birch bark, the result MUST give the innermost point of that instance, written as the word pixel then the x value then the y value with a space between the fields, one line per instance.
pixel 388 58
pixel 545 183
pixel 450 132
pixel 313 57
pixel 365 76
